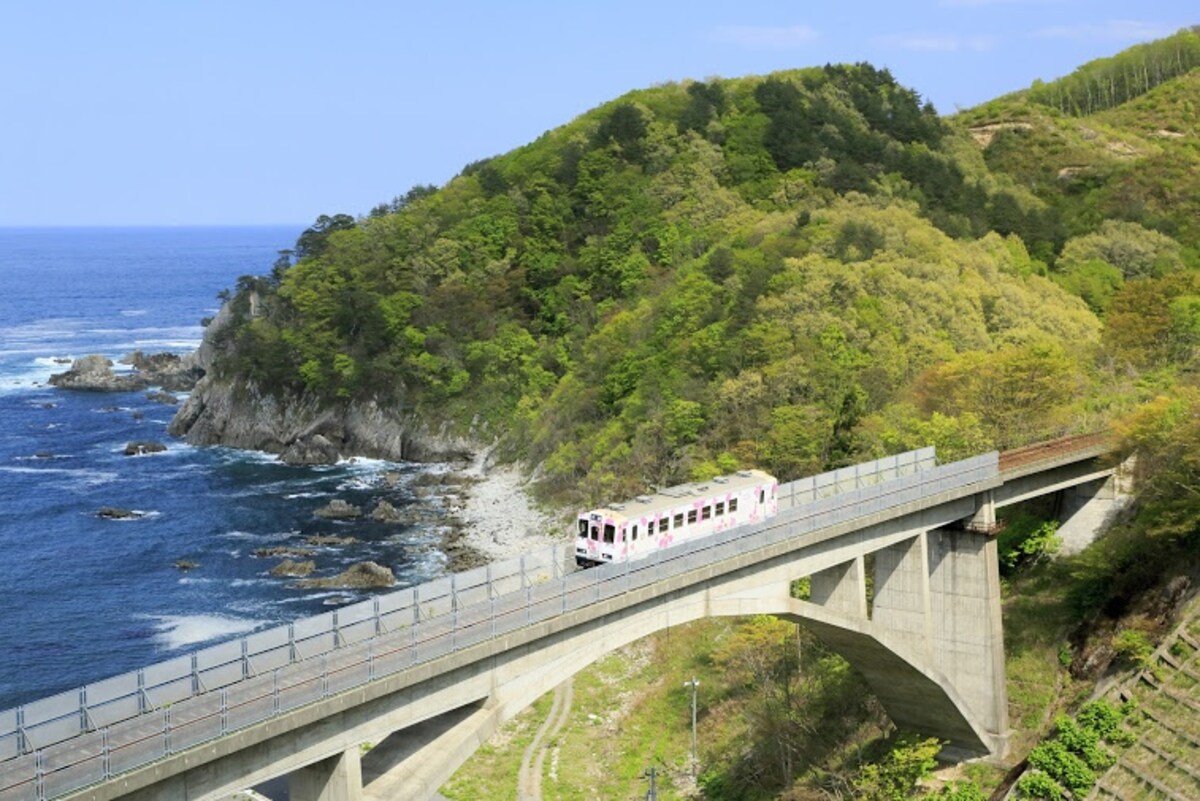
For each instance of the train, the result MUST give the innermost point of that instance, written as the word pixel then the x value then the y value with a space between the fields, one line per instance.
pixel 621 532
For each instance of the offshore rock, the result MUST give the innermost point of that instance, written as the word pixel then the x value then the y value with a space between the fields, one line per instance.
pixel 338 509
pixel 95 374
pixel 143 448
pixel 116 513
pixel 322 540
pixel 282 550
pixel 294 569
pixel 170 371
pixel 384 512
pixel 363 575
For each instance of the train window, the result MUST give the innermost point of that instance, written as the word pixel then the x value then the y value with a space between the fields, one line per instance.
pixel 634 535
pixel 610 532
pixel 691 516
pixel 733 504
pixel 720 508
pixel 762 496
pixel 583 528
pixel 662 524
pixel 678 520
pixel 595 532
pixel 706 513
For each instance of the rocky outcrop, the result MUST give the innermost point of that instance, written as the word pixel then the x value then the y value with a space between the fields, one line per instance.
pixel 282 550
pixel 170 371
pixel 384 512
pixel 117 513
pixel 304 431
pixel 338 509
pixel 95 374
pixel 143 448
pixel 319 540
pixel 363 575
pixel 294 569
pixel 312 450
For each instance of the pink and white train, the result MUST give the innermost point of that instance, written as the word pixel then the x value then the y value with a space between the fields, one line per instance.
pixel 634 529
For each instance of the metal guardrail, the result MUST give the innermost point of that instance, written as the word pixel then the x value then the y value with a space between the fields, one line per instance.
pixel 60 744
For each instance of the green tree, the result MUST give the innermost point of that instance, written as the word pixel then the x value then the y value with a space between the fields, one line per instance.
pixel 896 777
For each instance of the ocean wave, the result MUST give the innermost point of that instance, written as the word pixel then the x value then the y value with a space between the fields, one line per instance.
pixel 250 536
pixel 249 582
pixel 87 477
pixel 179 631
pixel 295 495
pixel 133 312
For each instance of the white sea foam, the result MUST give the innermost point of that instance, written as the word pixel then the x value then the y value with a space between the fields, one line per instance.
pixel 132 312
pixel 180 631
pixel 85 478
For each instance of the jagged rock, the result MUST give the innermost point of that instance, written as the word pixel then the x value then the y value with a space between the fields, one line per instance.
pixel 384 512
pixel 167 370
pixel 243 415
pixel 312 450
pixel 117 513
pixel 282 550
pixel 363 575
pixel 94 374
pixel 390 479
pixel 186 564
pixel 294 569
pixel 165 398
pixel 338 509
pixel 143 448
pixel 329 539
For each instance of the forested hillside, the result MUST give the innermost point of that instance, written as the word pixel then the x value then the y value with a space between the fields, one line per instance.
pixel 792 271
pixel 795 272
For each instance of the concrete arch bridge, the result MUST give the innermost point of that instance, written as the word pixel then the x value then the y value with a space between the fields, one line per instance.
pixel 432 671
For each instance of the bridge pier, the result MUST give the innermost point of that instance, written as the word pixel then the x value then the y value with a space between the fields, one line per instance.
pixel 841 588
pixel 338 778
pixel 901 603
pixel 967 630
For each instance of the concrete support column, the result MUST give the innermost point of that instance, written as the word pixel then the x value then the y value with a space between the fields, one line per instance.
pixel 968 636
pixel 841 588
pixel 1085 510
pixel 901 604
pixel 338 778
pixel 984 518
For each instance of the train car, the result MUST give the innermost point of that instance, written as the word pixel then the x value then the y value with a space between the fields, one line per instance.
pixel 633 529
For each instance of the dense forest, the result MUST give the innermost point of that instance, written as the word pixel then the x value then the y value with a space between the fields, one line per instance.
pixel 796 272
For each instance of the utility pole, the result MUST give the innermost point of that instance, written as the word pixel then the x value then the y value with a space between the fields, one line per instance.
pixel 694 683
pixel 652 793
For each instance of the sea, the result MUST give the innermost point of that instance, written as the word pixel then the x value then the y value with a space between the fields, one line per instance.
pixel 86 597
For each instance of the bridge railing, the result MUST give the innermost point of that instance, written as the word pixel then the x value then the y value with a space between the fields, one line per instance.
pixel 75 739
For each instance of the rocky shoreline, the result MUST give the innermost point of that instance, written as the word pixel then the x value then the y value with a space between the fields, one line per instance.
pixel 489 515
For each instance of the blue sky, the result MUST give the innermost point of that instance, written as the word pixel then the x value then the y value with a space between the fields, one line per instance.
pixel 262 111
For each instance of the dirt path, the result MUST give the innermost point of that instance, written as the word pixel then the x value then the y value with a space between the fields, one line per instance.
pixel 529 780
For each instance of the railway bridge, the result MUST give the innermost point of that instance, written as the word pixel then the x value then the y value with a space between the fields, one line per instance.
pixel 430 672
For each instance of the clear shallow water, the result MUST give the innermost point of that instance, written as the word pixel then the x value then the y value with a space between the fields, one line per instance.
pixel 88 597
